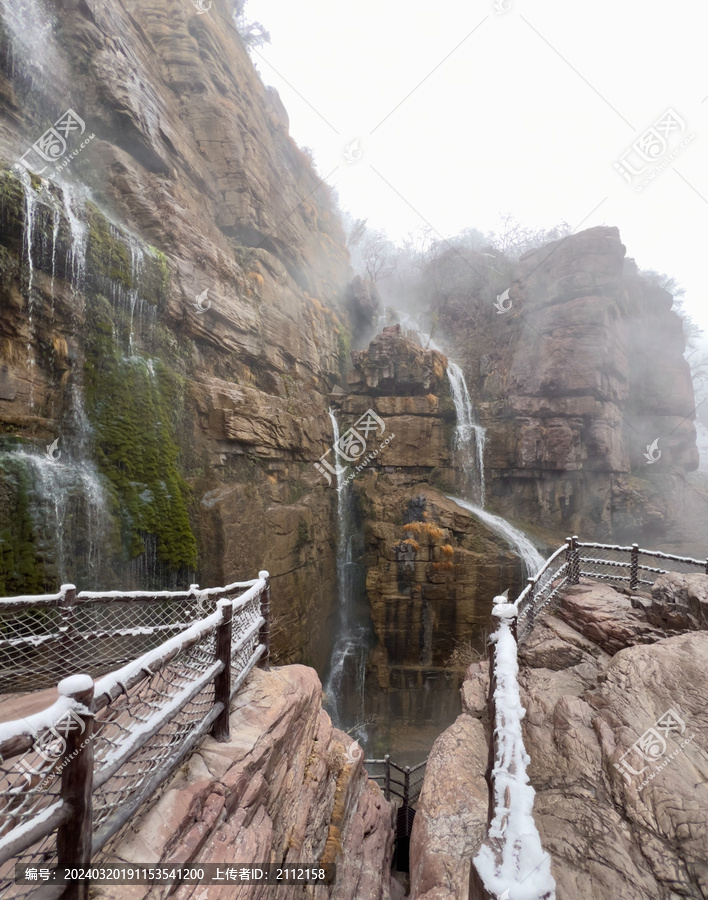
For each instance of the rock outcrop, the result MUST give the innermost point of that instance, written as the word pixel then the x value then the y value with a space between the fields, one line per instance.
pixel 573 384
pixel 282 790
pixel 431 567
pixel 595 679
pixel 190 233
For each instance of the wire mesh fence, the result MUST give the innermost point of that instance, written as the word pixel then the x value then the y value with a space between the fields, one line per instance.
pixel 146 716
pixel 29 793
pixel 44 639
pixel 631 567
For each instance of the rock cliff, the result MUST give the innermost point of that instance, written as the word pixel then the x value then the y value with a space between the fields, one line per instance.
pixel 282 790
pixel 595 677
pixel 184 274
pixel 574 381
pixel 431 567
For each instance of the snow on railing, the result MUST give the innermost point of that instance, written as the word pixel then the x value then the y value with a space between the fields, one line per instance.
pixel 46 637
pixel 624 565
pixel 116 740
pixel 511 861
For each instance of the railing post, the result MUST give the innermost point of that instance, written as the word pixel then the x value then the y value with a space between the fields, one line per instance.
pixel 66 605
pixel 74 836
pixel 532 590
pixel 406 787
pixel 194 589
pixel 264 635
pixel 634 568
pixel 569 557
pixel 387 777
pixel 222 682
pixel 574 573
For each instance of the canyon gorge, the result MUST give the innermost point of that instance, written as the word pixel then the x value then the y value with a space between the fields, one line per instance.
pixel 183 338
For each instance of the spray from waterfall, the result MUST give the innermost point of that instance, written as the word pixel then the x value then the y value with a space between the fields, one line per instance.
pixel 516 539
pixel 31 205
pixel 66 499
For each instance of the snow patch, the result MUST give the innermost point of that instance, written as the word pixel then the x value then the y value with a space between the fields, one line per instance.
pixel 74 684
pixel 36 723
pixel 518 863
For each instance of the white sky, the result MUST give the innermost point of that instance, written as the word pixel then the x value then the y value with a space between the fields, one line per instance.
pixel 527 115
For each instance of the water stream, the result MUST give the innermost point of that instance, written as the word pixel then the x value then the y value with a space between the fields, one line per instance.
pixel 469 434
pixel 65 494
pixel 351 645
pixel 516 539
pixel 469 447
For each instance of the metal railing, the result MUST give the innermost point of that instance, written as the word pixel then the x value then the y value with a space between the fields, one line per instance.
pixel 628 566
pixel 73 775
pixel 47 637
pixel 404 782
pixel 632 567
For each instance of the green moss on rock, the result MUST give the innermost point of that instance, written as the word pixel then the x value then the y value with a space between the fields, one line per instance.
pixel 106 255
pixel 21 571
pixel 134 404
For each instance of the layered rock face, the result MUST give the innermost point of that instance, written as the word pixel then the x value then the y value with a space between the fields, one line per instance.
pixel 596 678
pixel 193 233
pixel 431 567
pixel 574 382
pixel 282 790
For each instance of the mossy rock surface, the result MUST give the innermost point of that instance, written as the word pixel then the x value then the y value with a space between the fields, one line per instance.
pixel 135 405
pixel 21 572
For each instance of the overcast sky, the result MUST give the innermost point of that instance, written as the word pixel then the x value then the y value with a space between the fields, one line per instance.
pixel 463 113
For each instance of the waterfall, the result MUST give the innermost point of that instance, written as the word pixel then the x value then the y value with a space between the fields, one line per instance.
pixel 31 29
pixel 66 500
pixel 350 647
pixel 469 447
pixel 31 205
pixel 469 434
pixel 79 235
pixel 516 539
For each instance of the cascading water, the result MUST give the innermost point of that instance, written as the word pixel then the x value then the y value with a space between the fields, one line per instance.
pixel 469 445
pixel 469 434
pixel 65 497
pixel 348 660
pixel 31 29
pixel 31 205
pixel 516 539
pixel 79 235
